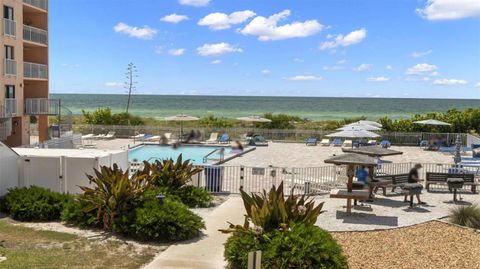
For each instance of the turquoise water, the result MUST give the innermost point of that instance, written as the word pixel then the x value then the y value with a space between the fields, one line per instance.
pixel 315 108
pixel 193 153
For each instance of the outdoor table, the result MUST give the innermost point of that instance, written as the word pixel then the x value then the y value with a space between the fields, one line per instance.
pixel 352 195
pixel 455 183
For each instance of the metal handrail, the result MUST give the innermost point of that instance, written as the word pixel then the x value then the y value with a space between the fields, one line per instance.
pixel 42 106
pixel 11 106
pixel 9 27
pixel 10 67
pixel 220 150
pixel 34 70
pixel 41 4
pixel 34 34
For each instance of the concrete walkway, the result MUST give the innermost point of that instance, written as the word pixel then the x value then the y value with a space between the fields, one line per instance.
pixel 205 252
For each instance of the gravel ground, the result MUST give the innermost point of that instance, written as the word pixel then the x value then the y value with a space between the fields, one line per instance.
pixel 433 244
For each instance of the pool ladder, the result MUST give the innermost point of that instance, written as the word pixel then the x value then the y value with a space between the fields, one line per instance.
pixel 220 150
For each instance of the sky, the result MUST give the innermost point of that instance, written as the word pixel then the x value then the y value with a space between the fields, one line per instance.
pixel 354 48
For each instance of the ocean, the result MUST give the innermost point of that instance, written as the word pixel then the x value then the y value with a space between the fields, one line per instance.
pixel 314 108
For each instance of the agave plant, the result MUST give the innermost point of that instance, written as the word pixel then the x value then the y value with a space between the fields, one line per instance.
pixel 271 211
pixel 168 173
pixel 114 193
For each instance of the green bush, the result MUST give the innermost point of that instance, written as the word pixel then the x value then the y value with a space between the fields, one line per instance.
pixel 104 116
pixel 193 196
pixel 468 216
pixel 35 204
pixel 302 247
pixel 73 213
pixel 167 220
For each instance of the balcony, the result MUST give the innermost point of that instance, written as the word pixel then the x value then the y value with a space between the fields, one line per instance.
pixel 5 128
pixel 10 67
pixel 35 71
pixel 40 4
pixel 11 107
pixel 35 35
pixel 9 28
pixel 42 106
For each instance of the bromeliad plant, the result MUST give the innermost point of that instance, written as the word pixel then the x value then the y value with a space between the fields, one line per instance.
pixel 272 211
pixel 114 194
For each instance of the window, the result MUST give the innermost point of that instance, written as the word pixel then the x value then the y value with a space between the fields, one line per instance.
pixel 8 13
pixel 9 91
pixel 9 52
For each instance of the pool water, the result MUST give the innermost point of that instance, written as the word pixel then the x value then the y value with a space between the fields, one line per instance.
pixel 193 153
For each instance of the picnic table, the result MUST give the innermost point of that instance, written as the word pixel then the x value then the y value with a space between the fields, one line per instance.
pixel 349 195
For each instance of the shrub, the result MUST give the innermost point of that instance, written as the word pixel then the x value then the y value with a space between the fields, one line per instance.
pixel 104 116
pixel 35 204
pixel 468 216
pixel 73 213
pixel 193 196
pixel 303 246
pixel 167 220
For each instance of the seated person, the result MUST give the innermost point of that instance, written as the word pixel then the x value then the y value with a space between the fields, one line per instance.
pixel 363 176
pixel 237 147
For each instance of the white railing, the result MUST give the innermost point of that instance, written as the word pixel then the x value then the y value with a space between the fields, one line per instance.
pixel 33 70
pixel 42 106
pixel 5 129
pixel 35 34
pixel 10 67
pixel 42 4
pixel 9 28
pixel 11 106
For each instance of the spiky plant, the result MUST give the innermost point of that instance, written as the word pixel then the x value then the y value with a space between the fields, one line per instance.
pixel 468 216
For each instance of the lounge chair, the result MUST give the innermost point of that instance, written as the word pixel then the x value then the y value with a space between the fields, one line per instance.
pixel 385 144
pixel 170 138
pixel 99 136
pixel 311 142
pixel 213 138
pixel 225 138
pixel 259 140
pixel 138 136
pixel 337 142
pixel 88 136
pixel 110 135
pixel 151 137
pixel 347 143
pixel 325 142
pixel 372 142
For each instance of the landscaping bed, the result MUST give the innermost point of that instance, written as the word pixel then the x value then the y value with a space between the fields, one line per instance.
pixel 433 244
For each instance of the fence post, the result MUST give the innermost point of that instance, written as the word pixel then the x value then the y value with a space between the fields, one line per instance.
pixel 293 182
pixel 242 175
pixel 255 260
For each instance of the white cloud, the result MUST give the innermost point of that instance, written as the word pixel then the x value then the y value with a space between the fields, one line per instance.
pixel 216 62
pixel 176 52
pixel 362 68
pixel 137 32
pixel 298 60
pixel 114 84
pixel 477 85
pixel 388 67
pixel 158 50
pixel 449 9
pixel 267 29
pixel 378 79
pixel 304 78
pixel 416 54
pixel 333 68
pixel 423 69
pixel 174 18
pixel 351 38
pixel 195 3
pixel 451 81
pixel 217 49
pixel 265 72
pixel 220 21
pixel 342 61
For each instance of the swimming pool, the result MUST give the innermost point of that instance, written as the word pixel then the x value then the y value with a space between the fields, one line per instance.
pixel 195 154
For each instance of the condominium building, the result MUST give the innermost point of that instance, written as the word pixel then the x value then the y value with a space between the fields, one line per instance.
pixel 24 89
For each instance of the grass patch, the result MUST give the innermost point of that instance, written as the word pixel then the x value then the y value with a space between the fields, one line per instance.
pixel 29 248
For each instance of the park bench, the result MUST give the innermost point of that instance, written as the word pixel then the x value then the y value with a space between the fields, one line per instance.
pixel 384 181
pixel 441 179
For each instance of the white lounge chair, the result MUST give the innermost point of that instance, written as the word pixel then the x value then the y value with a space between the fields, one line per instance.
pixel 138 136
pixel 88 136
pixel 372 142
pixel 152 138
pixel 99 136
pixel 347 143
pixel 325 142
pixel 110 135
pixel 213 138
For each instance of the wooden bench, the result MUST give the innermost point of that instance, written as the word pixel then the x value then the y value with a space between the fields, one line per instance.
pixel 385 181
pixel 354 195
pixel 441 179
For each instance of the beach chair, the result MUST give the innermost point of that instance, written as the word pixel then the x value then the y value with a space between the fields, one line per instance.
pixel 385 144
pixel 151 138
pixel 259 140
pixel 347 143
pixel 337 142
pixel 138 136
pixel 311 142
pixel 110 135
pixel 213 138
pixel 325 142
pixel 88 136
pixel 99 136
pixel 372 142
pixel 224 139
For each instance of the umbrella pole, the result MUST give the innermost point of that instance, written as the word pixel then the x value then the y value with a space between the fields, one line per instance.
pixel 350 174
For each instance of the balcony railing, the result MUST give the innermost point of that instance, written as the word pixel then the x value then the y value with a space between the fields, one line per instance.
pixel 10 67
pixel 11 106
pixel 42 4
pixel 5 129
pixel 9 27
pixel 33 70
pixel 42 106
pixel 36 35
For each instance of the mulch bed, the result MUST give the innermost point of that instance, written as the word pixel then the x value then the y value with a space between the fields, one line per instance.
pixel 433 244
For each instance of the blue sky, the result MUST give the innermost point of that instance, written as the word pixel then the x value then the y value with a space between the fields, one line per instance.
pixel 356 48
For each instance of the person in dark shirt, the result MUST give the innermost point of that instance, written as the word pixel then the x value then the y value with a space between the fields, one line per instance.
pixel 413 178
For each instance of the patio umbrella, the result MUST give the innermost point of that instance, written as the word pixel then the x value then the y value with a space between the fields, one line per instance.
pixel 354 133
pixel 369 122
pixel 181 118
pixel 432 122
pixel 359 126
pixel 374 151
pixel 254 119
